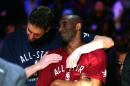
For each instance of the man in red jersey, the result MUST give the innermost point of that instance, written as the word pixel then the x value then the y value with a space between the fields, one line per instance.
pixel 91 67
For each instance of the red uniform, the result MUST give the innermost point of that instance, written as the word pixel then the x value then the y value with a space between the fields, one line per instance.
pixel 93 64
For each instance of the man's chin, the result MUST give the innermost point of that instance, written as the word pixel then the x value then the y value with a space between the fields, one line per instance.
pixel 64 42
pixel 34 43
pixel 31 41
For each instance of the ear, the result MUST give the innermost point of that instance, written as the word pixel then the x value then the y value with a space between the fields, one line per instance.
pixel 78 26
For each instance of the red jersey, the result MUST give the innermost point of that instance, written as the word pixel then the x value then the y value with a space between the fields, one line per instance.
pixel 93 64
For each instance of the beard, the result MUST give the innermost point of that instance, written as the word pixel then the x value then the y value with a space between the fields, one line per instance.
pixel 68 36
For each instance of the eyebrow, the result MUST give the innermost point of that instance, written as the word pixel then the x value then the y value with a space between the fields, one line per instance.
pixel 29 30
pixel 32 32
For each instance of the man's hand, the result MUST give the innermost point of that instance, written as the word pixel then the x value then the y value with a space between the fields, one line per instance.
pixel 107 41
pixel 47 60
pixel 44 62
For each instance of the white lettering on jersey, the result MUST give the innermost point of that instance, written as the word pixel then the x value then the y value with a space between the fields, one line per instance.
pixel 58 69
pixel 55 72
pixel 76 68
pixel 42 53
pixel 104 73
pixel 26 59
pixel 67 76
pixel 80 69
pixel 29 56
pixel 85 34
pixel 22 59
pixel 61 69
pixel 38 56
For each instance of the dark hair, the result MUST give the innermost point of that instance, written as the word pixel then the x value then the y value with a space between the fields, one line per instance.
pixel 42 17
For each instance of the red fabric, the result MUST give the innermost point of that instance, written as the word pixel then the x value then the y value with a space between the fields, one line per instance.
pixel 92 64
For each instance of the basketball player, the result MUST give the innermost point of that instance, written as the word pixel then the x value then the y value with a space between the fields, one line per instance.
pixel 92 65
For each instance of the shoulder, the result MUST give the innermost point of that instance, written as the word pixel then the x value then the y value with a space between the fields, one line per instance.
pixel 18 32
pixel 14 37
pixel 88 37
pixel 58 50
pixel 99 52
pixel 98 55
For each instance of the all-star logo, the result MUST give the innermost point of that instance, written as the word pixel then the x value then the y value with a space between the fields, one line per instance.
pixel 67 76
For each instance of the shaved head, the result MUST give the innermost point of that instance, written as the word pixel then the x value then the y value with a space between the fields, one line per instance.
pixel 68 27
pixel 72 18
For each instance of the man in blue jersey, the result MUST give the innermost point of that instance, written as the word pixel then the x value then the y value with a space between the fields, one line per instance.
pixel 27 46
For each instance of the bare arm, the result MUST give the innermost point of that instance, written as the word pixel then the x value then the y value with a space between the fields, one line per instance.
pixel 43 63
pixel 98 43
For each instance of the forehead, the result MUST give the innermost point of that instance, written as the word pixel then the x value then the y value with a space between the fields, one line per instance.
pixel 64 20
pixel 71 19
pixel 34 29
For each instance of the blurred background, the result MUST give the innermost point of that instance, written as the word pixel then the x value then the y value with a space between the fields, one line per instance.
pixel 103 17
